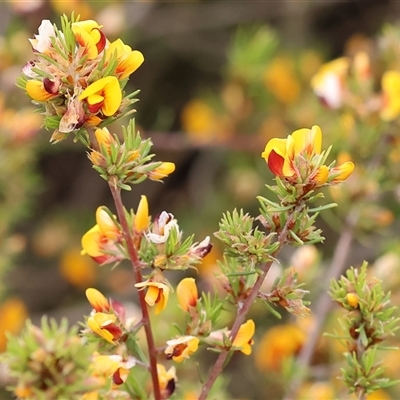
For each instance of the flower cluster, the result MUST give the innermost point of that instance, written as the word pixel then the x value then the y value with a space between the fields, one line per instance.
pixel 299 160
pixel 78 76
pixel 108 318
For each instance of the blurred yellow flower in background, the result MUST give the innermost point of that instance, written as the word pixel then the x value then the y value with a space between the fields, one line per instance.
pixel 279 78
pixel 199 121
pixel 317 391
pixel 277 344
pixel 13 314
pixel 390 95
pixel 77 270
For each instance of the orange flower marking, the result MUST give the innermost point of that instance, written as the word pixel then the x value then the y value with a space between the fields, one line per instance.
pixel 88 35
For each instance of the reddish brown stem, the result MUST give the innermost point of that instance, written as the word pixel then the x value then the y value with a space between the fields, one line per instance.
pixel 133 255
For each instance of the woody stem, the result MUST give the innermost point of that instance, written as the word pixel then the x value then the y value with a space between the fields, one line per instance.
pixel 243 309
pixel 133 255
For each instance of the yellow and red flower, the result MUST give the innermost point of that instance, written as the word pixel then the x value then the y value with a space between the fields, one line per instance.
pixel 281 154
pixel 105 325
pixel 111 366
pixel 181 348
pixel 128 60
pixel 102 242
pixel 294 159
pixel 89 35
pixel 104 95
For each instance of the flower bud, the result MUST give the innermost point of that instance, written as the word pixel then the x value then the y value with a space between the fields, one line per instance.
pixel 187 294
pixel 352 299
pixel 165 169
pixel 97 300
pixel 141 222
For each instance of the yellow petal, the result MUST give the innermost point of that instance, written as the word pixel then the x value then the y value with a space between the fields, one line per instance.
pixel 91 242
pixel 322 175
pixel 134 60
pixel 106 224
pixel 84 38
pixel 104 137
pixel 152 295
pixel 278 145
pixel 109 89
pixel 36 91
pixel 95 327
pixel 128 61
pixel 307 140
pixel 244 337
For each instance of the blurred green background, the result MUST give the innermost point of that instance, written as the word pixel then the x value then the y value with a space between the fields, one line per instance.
pixel 219 79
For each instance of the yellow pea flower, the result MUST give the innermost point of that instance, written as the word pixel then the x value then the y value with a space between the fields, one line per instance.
pixel 104 95
pixel 280 153
pixel 244 338
pixel 181 348
pixel 157 294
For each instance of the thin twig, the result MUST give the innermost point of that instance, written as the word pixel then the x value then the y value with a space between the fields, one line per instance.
pixel 242 313
pixel 116 193
pixel 324 302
